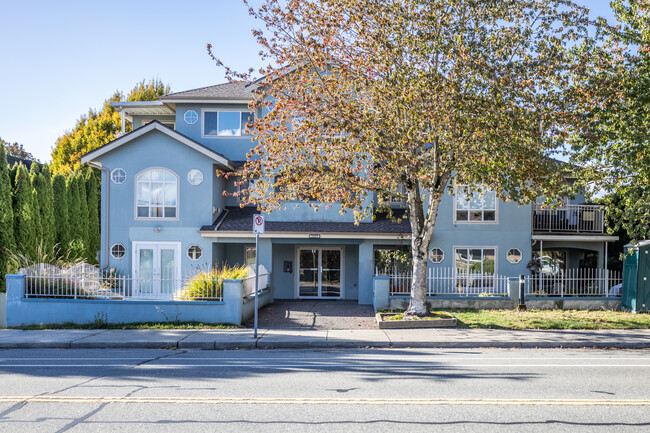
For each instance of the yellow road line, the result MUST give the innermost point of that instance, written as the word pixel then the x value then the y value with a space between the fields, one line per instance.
pixel 327 401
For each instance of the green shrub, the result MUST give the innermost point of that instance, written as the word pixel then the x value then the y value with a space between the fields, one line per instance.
pixel 208 284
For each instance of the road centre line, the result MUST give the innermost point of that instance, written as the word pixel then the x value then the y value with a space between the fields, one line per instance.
pixel 307 365
pixel 327 401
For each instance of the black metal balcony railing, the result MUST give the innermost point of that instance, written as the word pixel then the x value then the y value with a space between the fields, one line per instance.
pixel 569 219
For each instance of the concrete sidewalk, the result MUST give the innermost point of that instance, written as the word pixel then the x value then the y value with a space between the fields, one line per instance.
pixel 321 339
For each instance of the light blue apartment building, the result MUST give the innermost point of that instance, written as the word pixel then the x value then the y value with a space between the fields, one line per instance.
pixel 164 213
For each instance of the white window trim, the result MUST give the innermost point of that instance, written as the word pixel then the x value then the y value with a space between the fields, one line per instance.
pixel 135 259
pixel 213 110
pixel 443 255
pixel 135 197
pixel 113 246
pixel 521 256
pixel 478 247
pixel 185 118
pixel 188 252
pixel 188 177
pixel 496 211
pixel 125 176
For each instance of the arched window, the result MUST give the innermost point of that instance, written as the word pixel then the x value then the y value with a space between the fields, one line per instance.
pixel 156 194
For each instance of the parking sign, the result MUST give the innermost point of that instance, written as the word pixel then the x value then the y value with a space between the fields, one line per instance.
pixel 258 224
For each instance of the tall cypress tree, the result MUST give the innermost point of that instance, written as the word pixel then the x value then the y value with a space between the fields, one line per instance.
pixel 6 216
pixel 12 175
pixel 74 209
pixel 46 201
pixel 94 242
pixel 83 209
pixel 24 232
pixel 60 199
pixel 34 172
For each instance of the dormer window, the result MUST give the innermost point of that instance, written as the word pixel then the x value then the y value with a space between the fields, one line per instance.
pixel 225 123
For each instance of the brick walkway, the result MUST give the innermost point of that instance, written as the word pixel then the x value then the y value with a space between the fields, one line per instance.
pixel 317 315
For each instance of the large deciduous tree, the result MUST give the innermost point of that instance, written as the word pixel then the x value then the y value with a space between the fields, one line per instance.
pixel 616 157
pixel 98 127
pixel 365 100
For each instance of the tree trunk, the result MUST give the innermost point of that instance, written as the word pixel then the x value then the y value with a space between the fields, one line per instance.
pixel 418 302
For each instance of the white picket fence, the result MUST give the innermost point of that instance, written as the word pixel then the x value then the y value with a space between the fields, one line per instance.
pixel 574 282
pixel 449 282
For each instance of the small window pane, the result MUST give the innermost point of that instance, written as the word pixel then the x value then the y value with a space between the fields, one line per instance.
pixel 118 251
pixel 156 175
pixel 461 215
pixel 489 215
pixel 461 200
pixel 476 202
pixel 195 177
pixel 436 255
pixel 229 123
pixel 210 122
pixel 170 194
pixel 143 194
pixel 513 255
pixel 156 194
pixel 143 212
pixel 490 200
pixel 170 212
pixel 475 215
pixel 118 176
pixel 191 117
pixel 194 252
pixel 246 119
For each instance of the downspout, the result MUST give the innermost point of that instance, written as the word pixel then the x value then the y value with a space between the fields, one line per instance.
pixel 108 201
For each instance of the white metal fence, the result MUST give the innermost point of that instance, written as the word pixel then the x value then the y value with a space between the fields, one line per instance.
pixel 449 282
pixel 88 282
pixel 249 284
pixel 574 282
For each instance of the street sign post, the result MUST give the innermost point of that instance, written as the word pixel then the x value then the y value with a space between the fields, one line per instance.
pixel 258 229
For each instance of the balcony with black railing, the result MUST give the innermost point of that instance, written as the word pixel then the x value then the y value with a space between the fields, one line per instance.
pixel 582 219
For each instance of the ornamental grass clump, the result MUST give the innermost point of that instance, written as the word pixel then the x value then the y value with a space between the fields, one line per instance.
pixel 207 284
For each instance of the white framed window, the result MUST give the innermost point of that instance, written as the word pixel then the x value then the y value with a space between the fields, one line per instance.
pixel 478 207
pixel 475 260
pixel 436 255
pixel 195 177
pixel 156 194
pixel 194 252
pixel 225 123
pixel 118 176
pixel 513 256
pixel 118 251
pixel 191 117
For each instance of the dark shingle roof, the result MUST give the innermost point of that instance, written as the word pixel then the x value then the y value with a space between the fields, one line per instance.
pixel 219 91
pixel 238 219
pixel 13 160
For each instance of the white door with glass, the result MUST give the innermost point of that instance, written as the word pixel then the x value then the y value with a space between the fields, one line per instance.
pixel 156 269
pixel 320 272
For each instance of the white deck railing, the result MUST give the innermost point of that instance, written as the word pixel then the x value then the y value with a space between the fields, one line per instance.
pixel 249 284
pixel 575 282
pixel 449 282
pixel 571 218
pixel 88 282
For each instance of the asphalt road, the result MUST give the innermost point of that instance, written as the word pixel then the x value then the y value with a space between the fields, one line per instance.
pixel 335 390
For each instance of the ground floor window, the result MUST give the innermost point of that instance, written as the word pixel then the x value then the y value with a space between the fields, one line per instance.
pixel 474 268
pixel 551 262
pixel 390 259
pixel 249 255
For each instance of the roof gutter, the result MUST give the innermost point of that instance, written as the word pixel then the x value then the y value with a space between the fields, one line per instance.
pixel 108 201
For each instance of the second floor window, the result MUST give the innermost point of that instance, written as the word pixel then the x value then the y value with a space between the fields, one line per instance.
pixel 225 123
pixel 475 207
pixel 156 194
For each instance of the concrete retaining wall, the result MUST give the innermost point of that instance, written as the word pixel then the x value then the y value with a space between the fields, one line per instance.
pixel 23 311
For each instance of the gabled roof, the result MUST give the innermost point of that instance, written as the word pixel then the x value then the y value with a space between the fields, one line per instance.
pixel 225 91
pixel 155 125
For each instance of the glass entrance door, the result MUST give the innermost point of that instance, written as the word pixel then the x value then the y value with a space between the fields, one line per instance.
pixel 157 269
pixel 319 273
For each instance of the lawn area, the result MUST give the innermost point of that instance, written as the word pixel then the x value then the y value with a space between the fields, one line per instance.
pixel 141 325
pixel 550 319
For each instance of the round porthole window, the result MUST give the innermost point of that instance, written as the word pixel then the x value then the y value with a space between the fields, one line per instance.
pixel 194 252
pixel 191 117
pixel 513 255
pixel 195 177
pixel 118 251
pixel 436 255
pixel 118 176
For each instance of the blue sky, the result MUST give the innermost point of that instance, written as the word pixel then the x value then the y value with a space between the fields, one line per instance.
pixel 60 58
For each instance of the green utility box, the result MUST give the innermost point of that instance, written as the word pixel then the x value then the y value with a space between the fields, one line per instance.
pixel 636 278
